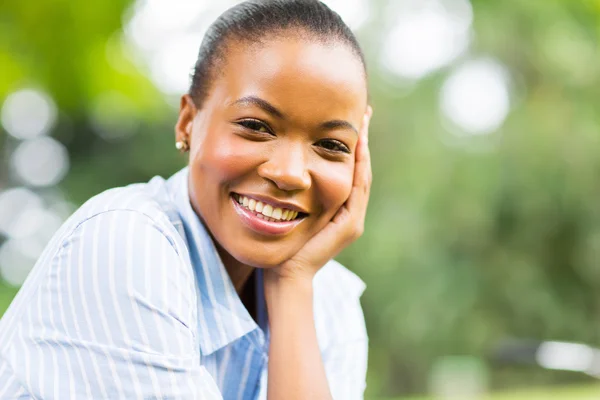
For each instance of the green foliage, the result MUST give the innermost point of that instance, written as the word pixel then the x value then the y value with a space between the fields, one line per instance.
pixel 469 240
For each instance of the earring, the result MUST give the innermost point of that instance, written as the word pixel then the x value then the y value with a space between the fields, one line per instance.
pixel 182 145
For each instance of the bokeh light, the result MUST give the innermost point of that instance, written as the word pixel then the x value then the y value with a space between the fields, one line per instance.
pixel 16 260
pixel 42 161
pixel 15 204
pixel 171 65
pixel 168 36
pixel 566 356
pixel 476 97
pixel 28 113
pixel 426 35
pixel 152 21
pixel 355 13
pixel 27 223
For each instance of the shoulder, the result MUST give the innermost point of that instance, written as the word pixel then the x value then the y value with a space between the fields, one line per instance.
pixel 338 312
pixel 126 230
pixel 135 219
pixel 149 199
pixel 150 202
pixel 123 252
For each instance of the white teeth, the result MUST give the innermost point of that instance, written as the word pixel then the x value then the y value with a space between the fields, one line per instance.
pixel 266 211
pixel 259 206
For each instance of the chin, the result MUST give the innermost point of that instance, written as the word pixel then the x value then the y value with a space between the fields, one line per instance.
pixel 262 255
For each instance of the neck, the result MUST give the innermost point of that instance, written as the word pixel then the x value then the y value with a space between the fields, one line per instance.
pixel 238 272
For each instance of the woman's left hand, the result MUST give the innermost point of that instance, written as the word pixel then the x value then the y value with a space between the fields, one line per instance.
pixel 346 226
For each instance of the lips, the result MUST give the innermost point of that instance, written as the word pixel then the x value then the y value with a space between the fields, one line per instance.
pixel 255 215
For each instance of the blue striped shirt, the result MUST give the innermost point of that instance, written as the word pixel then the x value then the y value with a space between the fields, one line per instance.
pixel 130 300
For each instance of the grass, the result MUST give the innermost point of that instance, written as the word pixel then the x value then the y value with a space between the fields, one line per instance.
pixel 589 392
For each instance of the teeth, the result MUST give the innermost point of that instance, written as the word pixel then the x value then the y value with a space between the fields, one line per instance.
pixel 259 207
pixel 266 211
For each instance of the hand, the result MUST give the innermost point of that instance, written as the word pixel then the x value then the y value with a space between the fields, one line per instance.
pixel 346 226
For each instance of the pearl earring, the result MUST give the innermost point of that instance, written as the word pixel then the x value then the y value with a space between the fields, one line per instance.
pixel 182 145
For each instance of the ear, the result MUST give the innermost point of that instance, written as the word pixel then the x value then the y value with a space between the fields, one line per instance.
pixel 187 112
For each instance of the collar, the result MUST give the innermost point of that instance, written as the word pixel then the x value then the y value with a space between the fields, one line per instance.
pixel 222 317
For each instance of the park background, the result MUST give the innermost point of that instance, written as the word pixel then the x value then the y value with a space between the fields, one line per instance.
pixel 482 246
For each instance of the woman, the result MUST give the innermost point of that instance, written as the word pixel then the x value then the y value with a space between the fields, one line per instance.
pixel 202 285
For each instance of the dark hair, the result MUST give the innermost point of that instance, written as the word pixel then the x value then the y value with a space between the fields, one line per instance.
pixel 255 20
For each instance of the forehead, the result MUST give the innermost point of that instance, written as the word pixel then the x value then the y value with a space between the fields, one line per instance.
pixel 295 73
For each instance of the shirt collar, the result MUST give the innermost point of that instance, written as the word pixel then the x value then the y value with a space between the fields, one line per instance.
pixel 222 317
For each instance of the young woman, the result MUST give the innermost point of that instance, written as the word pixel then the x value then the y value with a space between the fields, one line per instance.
pixel 217 283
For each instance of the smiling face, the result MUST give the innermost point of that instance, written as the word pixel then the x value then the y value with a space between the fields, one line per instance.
pixel 277 133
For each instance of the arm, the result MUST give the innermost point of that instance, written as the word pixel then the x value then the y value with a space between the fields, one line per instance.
pixel 296 369
pixel 115 317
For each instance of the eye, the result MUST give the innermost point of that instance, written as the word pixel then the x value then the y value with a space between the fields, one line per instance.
pixel 333 146
pixel 255 125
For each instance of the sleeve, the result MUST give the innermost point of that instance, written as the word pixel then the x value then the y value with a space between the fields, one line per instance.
pixel 115 317
pixel 342 331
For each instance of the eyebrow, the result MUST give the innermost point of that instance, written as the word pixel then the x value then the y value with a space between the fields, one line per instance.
pixel 338 124
pixel 274 111
pixel 257 101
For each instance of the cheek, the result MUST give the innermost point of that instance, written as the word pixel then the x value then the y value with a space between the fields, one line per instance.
pixel 222 157
pixel 334 183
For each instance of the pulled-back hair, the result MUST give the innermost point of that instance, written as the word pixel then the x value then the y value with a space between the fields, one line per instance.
pixel 256 20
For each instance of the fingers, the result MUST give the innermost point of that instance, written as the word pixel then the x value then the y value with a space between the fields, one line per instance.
pixel 356 205
pixel 362 167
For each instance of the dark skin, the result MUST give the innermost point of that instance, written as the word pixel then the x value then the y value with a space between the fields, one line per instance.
pixel 288 120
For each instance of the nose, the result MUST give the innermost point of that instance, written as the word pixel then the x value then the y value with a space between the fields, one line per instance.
pixel 287 168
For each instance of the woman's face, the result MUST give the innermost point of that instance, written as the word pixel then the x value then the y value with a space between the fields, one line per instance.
pixel 277 134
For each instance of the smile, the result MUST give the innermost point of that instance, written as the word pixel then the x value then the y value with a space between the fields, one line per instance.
pixel 265 218
pixel 266 211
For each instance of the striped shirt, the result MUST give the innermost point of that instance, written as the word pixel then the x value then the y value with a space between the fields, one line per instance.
pixel 130 300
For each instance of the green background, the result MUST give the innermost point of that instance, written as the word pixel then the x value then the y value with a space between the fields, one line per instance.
pixel 469 241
